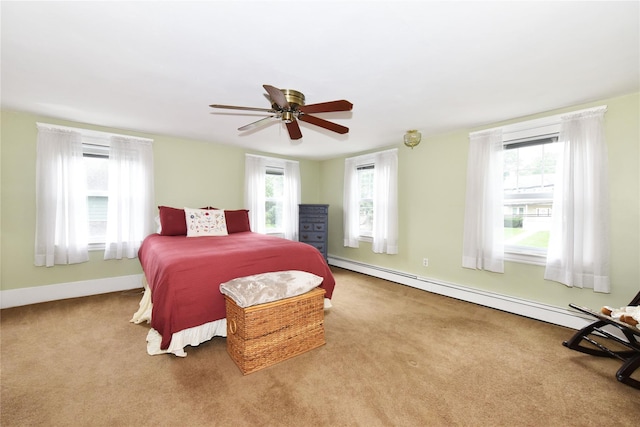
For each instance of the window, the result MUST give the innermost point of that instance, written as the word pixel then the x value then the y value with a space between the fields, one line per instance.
pixel 93 190
pixel 371 201
pixel 96 162
pixel 272 195
pixel 529 175
pixel 513 182
pixel 365 200
pixel 274 200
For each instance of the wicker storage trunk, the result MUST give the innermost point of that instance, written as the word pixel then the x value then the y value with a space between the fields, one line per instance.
pixel 265 334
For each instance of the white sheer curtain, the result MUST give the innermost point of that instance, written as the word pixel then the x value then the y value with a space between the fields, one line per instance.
pixel 483 246
pixel 131 196
pixel 385 201
pixel 255 169
pixel 291 199
pixel 61 199
pixel 578 252
pixel 351 213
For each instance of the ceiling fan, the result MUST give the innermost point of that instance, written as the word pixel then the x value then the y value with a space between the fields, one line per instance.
pixel 288 105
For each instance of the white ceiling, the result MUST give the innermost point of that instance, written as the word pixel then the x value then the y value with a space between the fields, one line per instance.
pixel 155 67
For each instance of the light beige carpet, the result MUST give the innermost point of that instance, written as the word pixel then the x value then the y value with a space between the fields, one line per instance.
pixel 395 356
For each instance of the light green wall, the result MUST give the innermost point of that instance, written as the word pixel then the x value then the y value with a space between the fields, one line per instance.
pixel 432 180
pixel 432 185
pixel 187 173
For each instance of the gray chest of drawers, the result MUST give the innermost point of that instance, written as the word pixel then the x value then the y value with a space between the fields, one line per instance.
pixel 313 224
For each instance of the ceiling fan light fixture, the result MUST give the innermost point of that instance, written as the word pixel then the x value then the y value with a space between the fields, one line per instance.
pixel 412 138
pixel 287 116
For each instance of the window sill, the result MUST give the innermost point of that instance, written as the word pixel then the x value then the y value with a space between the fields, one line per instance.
pixel 94 247
pixel 526 258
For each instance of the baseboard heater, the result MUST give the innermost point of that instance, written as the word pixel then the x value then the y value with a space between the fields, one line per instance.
pixel 534 310
pixel 543 312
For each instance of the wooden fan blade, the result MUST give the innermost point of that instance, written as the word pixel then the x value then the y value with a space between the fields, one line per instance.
pixel 234 107
pixel 294 130
pixel 257 123
pixel 323 123
pixel 327 107
pixel 277 96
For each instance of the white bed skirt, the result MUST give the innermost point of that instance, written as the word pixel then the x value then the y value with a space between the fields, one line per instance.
pixel 191 336
pixel 179 340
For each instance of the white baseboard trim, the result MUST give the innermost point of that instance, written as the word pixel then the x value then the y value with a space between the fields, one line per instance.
pixel 37 294
pixel 546 313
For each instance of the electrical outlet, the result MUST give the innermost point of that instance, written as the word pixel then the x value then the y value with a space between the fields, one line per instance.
pixel 425 262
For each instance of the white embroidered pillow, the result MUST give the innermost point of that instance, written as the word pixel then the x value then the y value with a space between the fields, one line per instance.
pixel 205 222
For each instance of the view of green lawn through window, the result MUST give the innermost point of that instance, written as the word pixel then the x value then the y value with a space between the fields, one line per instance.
pixel 529 175
pixel 521 237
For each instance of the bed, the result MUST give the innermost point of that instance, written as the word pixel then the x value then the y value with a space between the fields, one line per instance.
pixel 182 299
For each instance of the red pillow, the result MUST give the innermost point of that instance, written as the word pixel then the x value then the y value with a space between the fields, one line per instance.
pixel 237 221
pixel 173 221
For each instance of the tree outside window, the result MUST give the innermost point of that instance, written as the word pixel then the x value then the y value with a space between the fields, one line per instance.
pixel 274 200
pixel 365 199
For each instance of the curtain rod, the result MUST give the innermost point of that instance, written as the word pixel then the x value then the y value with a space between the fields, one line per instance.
pixel 90 132
pixel 270 158
pixel 544 120
pixel 364 156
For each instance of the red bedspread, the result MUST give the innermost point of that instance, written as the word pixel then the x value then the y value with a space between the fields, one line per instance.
pixel 185 273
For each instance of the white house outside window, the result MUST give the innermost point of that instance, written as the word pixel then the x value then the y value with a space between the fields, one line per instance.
pixel 96 161
pixel 529 180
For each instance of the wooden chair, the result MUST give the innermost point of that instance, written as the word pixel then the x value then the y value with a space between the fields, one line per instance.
pixel 630 358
